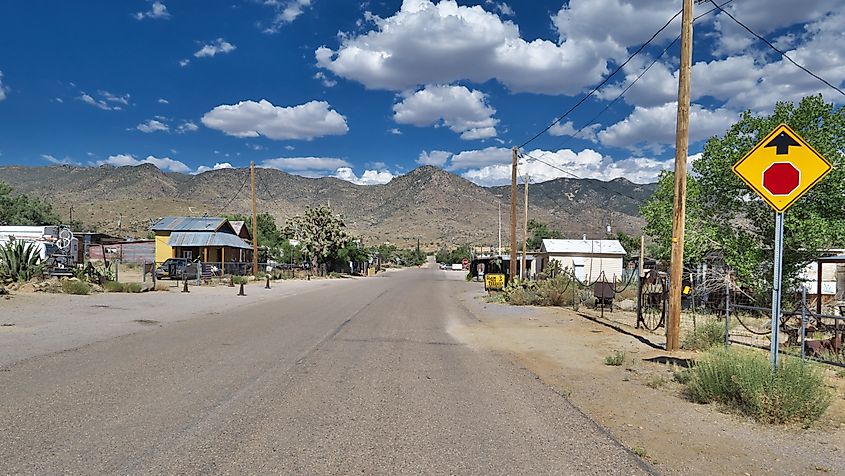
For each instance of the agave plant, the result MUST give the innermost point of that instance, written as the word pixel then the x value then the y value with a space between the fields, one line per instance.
pixel 19 261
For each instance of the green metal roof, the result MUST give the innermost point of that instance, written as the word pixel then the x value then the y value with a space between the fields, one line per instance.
pixel 189 224
pixel 207 238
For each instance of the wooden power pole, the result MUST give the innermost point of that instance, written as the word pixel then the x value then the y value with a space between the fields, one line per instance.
pixel 254 221
pixel 513 213
pixel 673 325
pixel 524 227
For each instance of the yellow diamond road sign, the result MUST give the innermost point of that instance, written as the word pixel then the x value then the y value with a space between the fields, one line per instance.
pixel 782 168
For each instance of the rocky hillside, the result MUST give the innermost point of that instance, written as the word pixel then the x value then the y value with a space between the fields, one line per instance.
pixel 428 203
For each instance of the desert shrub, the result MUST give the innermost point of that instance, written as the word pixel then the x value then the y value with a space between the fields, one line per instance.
pixel 705 336
pixel 240 279
pixel 556 291
pixel 681 376
pixel 615 359
pixel 73 286
pixel 744 382
pixel 656 381
pixel 132 287
pixel 335 274
pixel 162 286
pixel 20 261
pixel 112 287
pixel 523 297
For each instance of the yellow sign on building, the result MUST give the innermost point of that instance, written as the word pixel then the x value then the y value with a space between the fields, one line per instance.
pixel 494 282
pixel 782 168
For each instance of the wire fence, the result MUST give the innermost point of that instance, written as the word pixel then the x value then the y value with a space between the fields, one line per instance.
pixel 711 295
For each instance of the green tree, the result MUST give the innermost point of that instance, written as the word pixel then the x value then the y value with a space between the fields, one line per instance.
pixel 269 237
pixel 24 210
pixel 723 215
pixel 538 232
pixel 320 232
pixel 630 243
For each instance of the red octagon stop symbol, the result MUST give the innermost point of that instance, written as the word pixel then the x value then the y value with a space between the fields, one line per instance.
pixel 781 178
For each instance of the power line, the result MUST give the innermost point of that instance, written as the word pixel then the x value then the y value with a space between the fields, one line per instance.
pixel 614 101
pixel 770 45
pixel 642 73
pixel 604 81
pixel 235 195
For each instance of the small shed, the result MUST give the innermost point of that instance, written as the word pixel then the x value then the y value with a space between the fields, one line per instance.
pixel 588 259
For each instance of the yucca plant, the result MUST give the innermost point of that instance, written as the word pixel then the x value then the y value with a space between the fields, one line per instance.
pixel 20 261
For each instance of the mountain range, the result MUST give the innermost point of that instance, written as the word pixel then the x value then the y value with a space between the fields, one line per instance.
pixel 430 204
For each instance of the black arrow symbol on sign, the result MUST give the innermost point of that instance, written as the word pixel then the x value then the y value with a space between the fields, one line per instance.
pixel 782 142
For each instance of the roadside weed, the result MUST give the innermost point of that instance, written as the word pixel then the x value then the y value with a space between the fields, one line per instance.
pixel 705 336
pixel 656 381
pixel 743 381
pixel 615 359
pixel 75 287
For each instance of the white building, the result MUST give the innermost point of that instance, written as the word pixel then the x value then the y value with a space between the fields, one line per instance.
pixel 587 258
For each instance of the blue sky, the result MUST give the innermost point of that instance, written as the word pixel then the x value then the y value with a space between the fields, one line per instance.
pixel 366 91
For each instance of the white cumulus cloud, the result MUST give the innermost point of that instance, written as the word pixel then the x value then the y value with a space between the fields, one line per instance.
pixel 3 89
pixel 481 157
pixel 306 166
pixel 369 177
pixel 438 43
pixel 286 12
pixel 163 163
pixel 217 166
pixel 252 119
pixel 653 128
pixel 568 163
pixel 157 10
pixel 463 111
pixel 218 46
pixel 435 157
pixel 152 125
pixel 187 126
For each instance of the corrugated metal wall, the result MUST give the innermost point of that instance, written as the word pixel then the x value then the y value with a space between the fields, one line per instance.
pixel 128 252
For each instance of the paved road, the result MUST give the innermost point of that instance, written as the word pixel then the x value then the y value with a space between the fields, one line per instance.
pixel 361 380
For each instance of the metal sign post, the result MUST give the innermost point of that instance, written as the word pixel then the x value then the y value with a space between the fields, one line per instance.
pixel 777 289
pixel 781 169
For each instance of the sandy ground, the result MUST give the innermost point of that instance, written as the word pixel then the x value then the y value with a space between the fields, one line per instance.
pixel 640 403
pixel 33 324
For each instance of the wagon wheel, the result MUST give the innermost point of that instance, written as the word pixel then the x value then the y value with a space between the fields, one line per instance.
pixel 653 302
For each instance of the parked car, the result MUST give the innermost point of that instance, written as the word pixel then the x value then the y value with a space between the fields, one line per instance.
pixel 177 268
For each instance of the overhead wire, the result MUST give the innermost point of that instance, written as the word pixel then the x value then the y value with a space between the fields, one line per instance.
pixel 603 82
pixel 778 50
pixel 246 179
pixel 614 101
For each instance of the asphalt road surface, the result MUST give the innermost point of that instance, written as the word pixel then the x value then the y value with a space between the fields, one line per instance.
pixel 363 379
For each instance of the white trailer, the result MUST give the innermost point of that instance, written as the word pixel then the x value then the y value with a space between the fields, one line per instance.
pixel 56 245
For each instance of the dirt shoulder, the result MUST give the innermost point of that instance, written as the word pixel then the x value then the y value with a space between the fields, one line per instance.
pixel 33 324
pixel 639 402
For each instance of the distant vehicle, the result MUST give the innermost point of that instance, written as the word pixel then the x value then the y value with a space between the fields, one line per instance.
pixel 444 266
pixel 176 268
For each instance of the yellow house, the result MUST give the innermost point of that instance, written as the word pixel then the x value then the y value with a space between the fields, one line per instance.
pixel 206 239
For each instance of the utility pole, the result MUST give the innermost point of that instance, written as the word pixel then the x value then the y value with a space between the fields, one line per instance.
pixel 642 256
pixel 254 221
pixel 513 213
pixel 673 325
pixel 524 226
pixel 499 249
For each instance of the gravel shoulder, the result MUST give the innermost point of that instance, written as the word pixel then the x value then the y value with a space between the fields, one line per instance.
pixel 640 403
pixel 34 324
